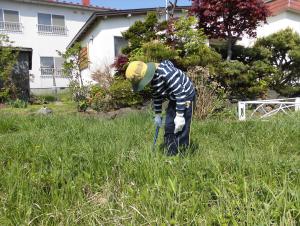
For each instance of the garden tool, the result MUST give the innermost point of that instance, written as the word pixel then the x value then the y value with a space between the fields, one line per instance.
pixel 155 137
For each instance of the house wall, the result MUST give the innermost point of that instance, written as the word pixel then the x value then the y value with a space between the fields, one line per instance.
pixel 100 41
pixel 275 23
pixel 44 45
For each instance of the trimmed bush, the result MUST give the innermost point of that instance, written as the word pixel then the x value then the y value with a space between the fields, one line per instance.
pixel 97 90
pixel 153 52
pixel 102 103
pixel 100 99
pixel 243 81
pixel 122 94
pixel 118 95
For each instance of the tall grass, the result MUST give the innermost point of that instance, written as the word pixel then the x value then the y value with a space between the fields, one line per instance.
pixel 72 170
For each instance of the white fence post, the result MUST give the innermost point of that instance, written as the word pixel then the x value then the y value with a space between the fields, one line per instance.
pixel 297 104
pixel 242 111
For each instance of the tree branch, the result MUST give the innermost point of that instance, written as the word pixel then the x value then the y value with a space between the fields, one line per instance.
pixel 172 7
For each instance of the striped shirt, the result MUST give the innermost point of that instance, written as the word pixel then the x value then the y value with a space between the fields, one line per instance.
pixel 171 83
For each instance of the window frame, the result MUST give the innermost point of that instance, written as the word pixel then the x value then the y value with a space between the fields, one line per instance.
pixel 3 15
pixel 115 50
pixel 47 57
pixel 51 29
pixel 3 21
pixel 51 19
pixel 56 71
pixel 45 14
pixel 64 19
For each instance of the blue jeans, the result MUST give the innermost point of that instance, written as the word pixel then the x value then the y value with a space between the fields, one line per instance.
pixel 174 142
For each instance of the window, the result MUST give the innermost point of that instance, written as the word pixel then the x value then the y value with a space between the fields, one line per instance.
pixel 51 66
pixel 120 43
pixel 51 24
pixel 44 19
pixel 9 20
pixel 47 62
pixel 11 16
pixel 58 20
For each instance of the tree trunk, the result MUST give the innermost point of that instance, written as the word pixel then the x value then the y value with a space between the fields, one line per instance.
pixel 81 81
pixel 229 48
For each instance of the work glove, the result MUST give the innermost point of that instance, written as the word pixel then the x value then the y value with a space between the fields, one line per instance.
pixel 158 120
pixel 179 122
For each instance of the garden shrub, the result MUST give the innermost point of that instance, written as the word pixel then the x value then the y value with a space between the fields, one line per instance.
pixel 47 98
pixel 146 93
pixel 244 81
pixel 178 41
pixel 42 99
pixel 102 103
pixel 190 44
pixel 276 57
pixel 103 76
pixel 284 55
pixel 206 57
pixel 97 90
pixel 120 65
pixel 100 100
pixel 4 95
pixel 220 47
pixel 210 95
pixel 82 105
pixel 118 95
pixel 18 103
pixel 141 32
pixel 153 51
pixel 8 59
pixel 122 94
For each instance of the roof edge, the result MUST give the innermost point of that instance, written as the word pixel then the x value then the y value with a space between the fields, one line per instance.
pixel 66 5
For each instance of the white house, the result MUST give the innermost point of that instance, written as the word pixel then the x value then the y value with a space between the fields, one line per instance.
pixel 45 27
pixel 102 35
pixel 284 14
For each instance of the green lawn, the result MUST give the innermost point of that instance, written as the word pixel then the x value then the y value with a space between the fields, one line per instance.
pixel 66 169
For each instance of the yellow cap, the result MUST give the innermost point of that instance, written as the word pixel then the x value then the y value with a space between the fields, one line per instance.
pixel 140 74
pixel 136 71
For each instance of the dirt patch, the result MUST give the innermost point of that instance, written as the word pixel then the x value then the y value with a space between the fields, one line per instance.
pixel 97 198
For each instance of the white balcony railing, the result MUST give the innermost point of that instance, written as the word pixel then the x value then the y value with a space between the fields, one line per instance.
pixel 10 26
pixel 50 72
pixel 52 30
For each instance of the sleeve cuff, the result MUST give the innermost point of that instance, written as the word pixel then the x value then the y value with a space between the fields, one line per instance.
pixel 179 113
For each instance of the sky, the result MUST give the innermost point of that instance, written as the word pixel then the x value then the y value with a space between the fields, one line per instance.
pixel 133 4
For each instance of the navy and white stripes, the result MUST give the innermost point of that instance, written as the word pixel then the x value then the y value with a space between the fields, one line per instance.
pixel 171 83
